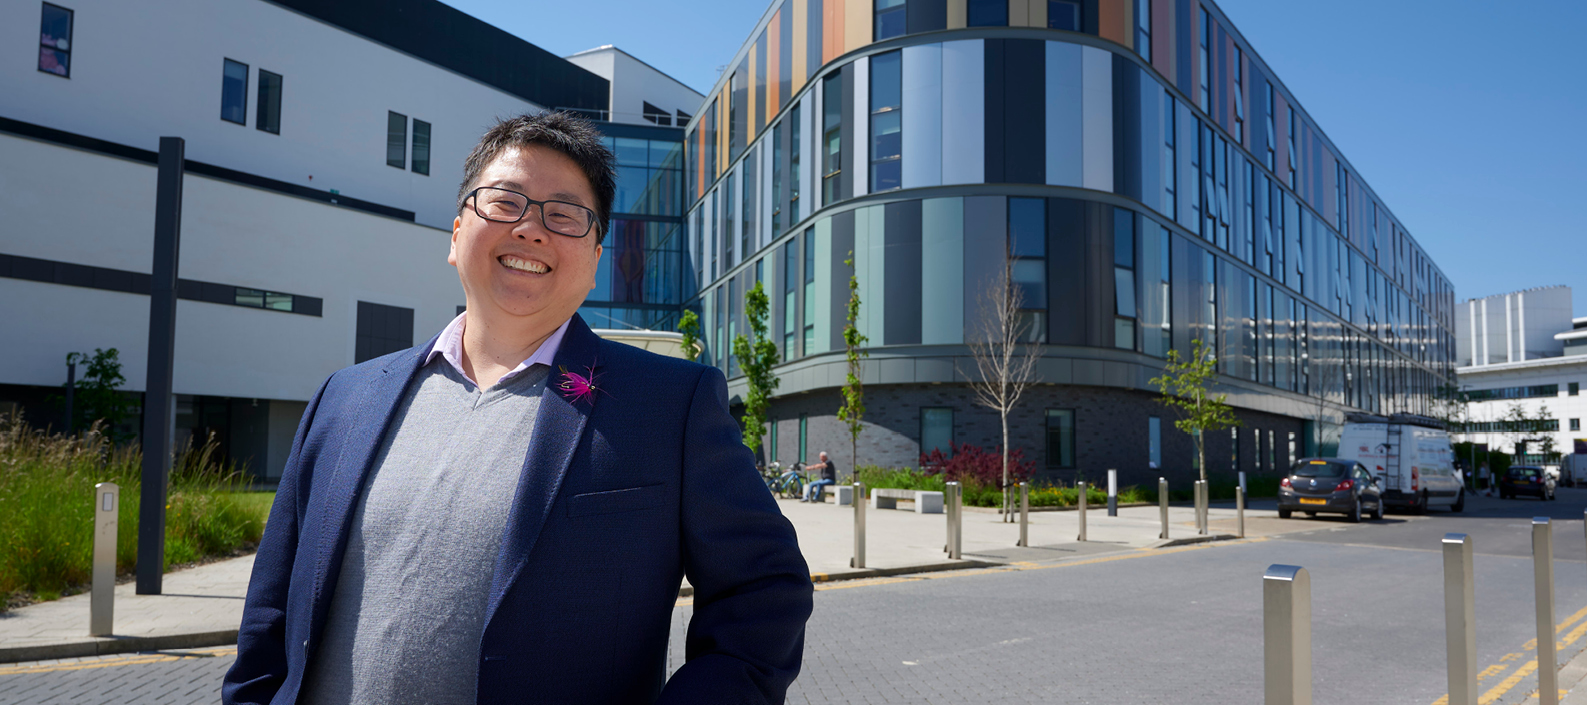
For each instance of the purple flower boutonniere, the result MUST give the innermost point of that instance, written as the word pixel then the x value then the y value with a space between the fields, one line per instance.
pixel 576 387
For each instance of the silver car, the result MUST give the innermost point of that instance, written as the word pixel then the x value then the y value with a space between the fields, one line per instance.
pixel 1333 485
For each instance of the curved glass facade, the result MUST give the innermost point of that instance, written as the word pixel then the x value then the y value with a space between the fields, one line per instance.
pixel 1145 177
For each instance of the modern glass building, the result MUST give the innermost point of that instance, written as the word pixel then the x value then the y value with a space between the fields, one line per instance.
pixel 1145 175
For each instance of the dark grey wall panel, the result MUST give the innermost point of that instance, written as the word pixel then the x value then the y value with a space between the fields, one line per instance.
pixel 985 255
pixel 1067 281
pixel 1098 300
pixel 1024 111
pixel 902 274
pixel 995 136
pixel 926 16
pixel 842 245
pixel 1126 128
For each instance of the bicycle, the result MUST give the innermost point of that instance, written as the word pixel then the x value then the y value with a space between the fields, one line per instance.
pixel 788 485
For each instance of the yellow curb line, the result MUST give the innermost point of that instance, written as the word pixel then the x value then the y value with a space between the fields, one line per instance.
pixel 130 660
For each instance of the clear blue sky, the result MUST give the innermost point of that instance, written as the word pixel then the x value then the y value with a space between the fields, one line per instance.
pixel 1464 116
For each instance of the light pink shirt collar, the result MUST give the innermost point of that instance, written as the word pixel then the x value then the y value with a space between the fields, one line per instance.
pixel 450 347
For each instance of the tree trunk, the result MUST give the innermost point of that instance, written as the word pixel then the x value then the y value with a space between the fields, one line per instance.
pixel 1007 501
pixel 1201 453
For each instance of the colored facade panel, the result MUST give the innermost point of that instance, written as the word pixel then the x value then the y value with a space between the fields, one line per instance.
pixel 963 111
pixel 1096 68
pixel 1065 128
pixel 942 271
pixel 922 115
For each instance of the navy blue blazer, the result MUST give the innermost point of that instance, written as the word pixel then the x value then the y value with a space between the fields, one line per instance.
pixel 620 497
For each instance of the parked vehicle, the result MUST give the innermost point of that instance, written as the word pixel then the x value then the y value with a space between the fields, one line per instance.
pixel 1573 470
pixel 1333 485
pixel 1412 457
pixel 1530 481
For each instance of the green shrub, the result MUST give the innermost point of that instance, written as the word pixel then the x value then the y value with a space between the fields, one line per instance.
pixel 47 515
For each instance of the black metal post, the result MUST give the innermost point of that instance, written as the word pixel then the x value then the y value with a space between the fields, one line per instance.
pixel 157 418
pixel 71 386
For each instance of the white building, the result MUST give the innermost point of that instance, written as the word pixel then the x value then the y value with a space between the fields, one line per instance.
pixel 1522 352
pixel 325 143
pixel 640 93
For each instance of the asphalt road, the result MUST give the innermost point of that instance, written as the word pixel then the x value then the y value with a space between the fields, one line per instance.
pixel 1168 626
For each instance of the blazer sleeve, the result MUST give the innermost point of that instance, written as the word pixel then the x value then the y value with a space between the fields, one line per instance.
pixel 261 665
pixel 752 590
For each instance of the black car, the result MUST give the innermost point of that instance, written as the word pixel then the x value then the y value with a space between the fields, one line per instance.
pixel 1333 485
pixel 1530 481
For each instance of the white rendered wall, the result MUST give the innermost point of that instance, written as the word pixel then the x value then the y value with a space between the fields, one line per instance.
pixel 231 234
pixel 1563 407
pixel 634 83
pixel 143 70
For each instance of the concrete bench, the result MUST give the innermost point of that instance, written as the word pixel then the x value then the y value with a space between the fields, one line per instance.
pixel 925 502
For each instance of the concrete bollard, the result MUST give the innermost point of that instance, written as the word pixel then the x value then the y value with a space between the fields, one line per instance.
pixel 1162 504
pixel 1543 579
pixel 1081 486
pixel 1460 621
pixel 1286 635
pixel 1113 493
pixel 859 526
pixel 1239 512
pixel 954 499
pixel 1024 514
pixel 102 601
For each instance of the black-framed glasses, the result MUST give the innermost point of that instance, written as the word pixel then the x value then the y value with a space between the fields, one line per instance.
pixel 500 205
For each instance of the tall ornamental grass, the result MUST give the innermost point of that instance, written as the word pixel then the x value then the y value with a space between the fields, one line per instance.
pixel 47 514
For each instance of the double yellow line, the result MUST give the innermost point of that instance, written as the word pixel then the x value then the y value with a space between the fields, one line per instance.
pixel 128 660
pixel 1528 668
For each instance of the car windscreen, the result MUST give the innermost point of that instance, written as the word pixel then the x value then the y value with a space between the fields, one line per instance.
pixel 1319 468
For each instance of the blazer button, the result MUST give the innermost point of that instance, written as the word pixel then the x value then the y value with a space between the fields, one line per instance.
pixel 305 643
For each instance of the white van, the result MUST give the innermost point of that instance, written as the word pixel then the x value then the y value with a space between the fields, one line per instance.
pixel 1411 455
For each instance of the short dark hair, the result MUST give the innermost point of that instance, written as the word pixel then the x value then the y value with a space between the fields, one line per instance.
pixel 562 131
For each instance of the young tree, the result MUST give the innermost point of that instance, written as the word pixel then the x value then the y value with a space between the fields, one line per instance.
pixel 689 327
pixel 97 395
pixel 854 341
pixel 1184 385
pixel 1004 358
pixel 756 355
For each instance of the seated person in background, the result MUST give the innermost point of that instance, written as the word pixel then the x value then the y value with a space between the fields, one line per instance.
pixel 828 474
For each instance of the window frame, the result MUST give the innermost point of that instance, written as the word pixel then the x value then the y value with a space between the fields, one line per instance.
pixel 395 140
pixel 413 149
pixel 71 33
pixel 1061 462
pixel 262 106
pixel 875 113
pixel 947 452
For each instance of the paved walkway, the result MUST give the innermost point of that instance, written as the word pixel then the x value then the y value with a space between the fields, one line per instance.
pixel 202 606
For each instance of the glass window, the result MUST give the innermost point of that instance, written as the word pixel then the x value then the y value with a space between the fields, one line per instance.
pixel 1575 388
pixel 1575 424
pixel 1170 163
pixel 1030 276
pixel 1234 446
pixel 790 303
pixel 1143 28
pixel 776 177
pixel 729 198
pixel 1060 438
pixel 421 147
pixel 1292 164
pixel 1272 135
pixel 657 115
pixel 936 430
pixel 234 92
pixel 886 121
pixel 771 433
pixel 1205 68
pixel 1209 314
pixel 55 40
pixel 987 13
pixel 269 102
pixel 1291 448
pixel 1027 218
pixel 832 138
pixel 746 233
pixel 889 19
pixel 810 291
pixel 1124 279
pixel 1065 15
pixel 396 140
pixel 804 436
pixel 1158 303
pixel 793 163
pixel 1027 227
pixel 631 152
pixel 381 329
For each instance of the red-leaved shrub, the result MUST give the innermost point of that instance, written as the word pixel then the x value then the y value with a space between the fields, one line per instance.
pixel 973 464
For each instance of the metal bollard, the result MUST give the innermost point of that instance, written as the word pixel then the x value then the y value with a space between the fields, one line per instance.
pixel 1113 493
pixel 859 526
pixel 1286 635
pixel 1460 621
pixel 1162 504
pixel 102 602
pixel 953 499
pixel 1239 512
pixel 1543 578
pixel 1201 507
pixel 1024 514
pixel 1081 487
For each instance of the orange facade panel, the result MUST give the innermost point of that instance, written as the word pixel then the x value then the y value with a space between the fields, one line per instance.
pixel 1163 35
pixel 1113 20
pixel 774 65
pixel 831 30
pixel 801 35
pixel 857 17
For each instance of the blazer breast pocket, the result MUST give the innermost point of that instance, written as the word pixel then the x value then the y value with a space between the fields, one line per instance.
pixel 615 501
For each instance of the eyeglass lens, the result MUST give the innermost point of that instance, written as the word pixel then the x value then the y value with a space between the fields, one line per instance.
pixel 505 206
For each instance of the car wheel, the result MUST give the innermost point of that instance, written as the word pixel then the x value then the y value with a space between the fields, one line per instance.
pixel 1283 513
pixel 1355 512
pixel 1460 503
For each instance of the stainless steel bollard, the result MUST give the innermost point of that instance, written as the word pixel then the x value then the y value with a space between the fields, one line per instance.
pixel 1543 578
pixel 1081 488
pixel 953 500
pixel 102 602
pixel 1286 635
pixel 859 526
pixel 1162 504
pixel 1239 512
pixel 1024 514
pixel 1201 507
pixel 1113 493
pixel 1460 621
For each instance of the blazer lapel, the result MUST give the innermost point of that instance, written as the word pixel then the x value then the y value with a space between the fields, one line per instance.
pixel 558 428
pixel 372 415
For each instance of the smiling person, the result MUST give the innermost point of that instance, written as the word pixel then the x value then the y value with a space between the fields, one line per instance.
pixel 505 513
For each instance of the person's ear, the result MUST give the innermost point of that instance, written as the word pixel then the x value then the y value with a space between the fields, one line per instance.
pixel 451 255
pixel 596 270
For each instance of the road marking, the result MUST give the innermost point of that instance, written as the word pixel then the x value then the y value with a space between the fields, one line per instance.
pixel 1504 686
pixel 111 661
